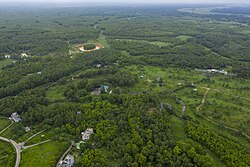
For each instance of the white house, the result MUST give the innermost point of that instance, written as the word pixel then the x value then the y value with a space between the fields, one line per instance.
pixel 86 135
pixel 27 129
pixel 15 117
pixel 24 55
pixel 7 56
pixel 67 162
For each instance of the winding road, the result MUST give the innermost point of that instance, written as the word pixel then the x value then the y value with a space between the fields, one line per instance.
pixel 19 146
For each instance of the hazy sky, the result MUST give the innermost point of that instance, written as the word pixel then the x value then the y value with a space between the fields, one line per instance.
pixel 126 1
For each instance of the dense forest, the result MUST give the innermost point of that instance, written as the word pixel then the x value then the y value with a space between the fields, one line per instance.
pixel 143 93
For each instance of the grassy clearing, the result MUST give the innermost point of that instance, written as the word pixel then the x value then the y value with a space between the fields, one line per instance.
pixel 45 155
pixel 4 123
pixel 178 128
pixel 102 40
pixel 157 43
pixel 230 85
pixel 179 133
pixel 56 93
pixel 161 44
pixel 227 110
pixel 183 37
pixel 8 133
pixel 39 138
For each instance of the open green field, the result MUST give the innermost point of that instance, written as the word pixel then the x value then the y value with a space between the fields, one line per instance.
pixel 227 110
pixel 4 123
pixel 183 37
pixel 45 155
pixel 157 43
pixel 56 93
pixel 39 138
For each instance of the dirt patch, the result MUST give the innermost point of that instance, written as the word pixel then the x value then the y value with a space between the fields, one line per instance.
pixel 97 47
pixel 151 110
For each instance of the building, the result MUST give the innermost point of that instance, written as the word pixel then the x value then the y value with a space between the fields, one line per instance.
pixel 97 91
pixel 86 135
pixel 7 56
pixel 106 88
pixel 27 129
pixel 98 65
pixel 24 55
pixel 15 117
pixel 67 162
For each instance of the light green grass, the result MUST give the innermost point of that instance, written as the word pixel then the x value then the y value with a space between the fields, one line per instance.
pixel 178 128
pixel 38 138
pixel 232 112
pixel 45 155
pixel 56 93
pixel 4 123
pixel 157 43
pixel 101 40
pixel 183 37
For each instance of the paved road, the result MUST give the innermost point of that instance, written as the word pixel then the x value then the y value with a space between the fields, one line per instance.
pixel 66 152
pixel 17 148
pixel 34 136
pixel 26 147
pixel 4 139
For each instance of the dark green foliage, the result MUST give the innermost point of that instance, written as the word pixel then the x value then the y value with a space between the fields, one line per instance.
pixel 89 46
pixel 231 153
pixel 130 128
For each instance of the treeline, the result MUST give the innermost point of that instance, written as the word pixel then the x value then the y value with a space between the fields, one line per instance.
pixel 125 132
pixel 186 55
pixel 231 153
pixel 243 72
pixel 44 32
pixel 35 73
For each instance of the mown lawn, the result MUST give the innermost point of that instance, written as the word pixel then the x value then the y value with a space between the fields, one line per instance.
pixel 4 123
pixel 45 155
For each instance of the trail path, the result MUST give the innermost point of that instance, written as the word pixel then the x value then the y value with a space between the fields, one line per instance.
pixel 203 100
pixel 212 121
pixel 223 92
pixel 20 146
